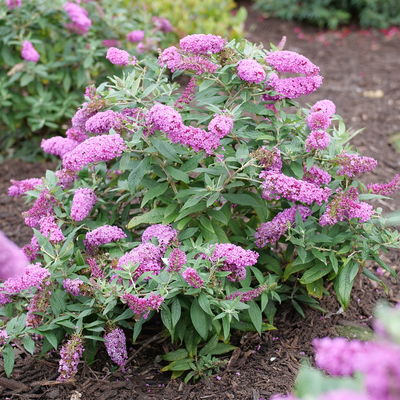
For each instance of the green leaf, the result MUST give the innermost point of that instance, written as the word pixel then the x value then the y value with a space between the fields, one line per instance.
pixel 29 344
pixel 298 308
pixel 386 267
pixel 199 319
pixel 371 276
pixel 242 152
pixel 155 192
pixel 334 262
pixel 210 345
pixel 192 339
pixel 319 255
pixel 138 173
pixel 176 355
pixel 292 269
pixel 315 273
pixel 67 81
pixel 255 315
pixel 127 314
pixel 165 149
pixel 187 233
pixel 297 168
pixel 52 338
pixel 155 216
pixel 343 285
pixel 177 174
pixel 180 365
pixel 242 199
pixel 175 312
pixel 9 359
pixel 149 90
pixel 205 304
pixel 222 348
pixel 26 79
pixel 206 223
pixel 316 288
pixel 191 210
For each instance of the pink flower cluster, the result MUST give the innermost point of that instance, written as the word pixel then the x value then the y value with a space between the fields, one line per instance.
pixel 288 61
pixel 70 355
pixel 79 121
pixel 165 235
pixel 202 44
pixel 103 122
pixel 111 43
pixel 102 235
pixel 162 24
pixel 191 276
pixel 12 260
pixel 32 276
pixel 135 36
pixel 29 53
pixel 58 146
pixel 95 270
pixel 385 189
pixel 270 232
pixel 3 337
pixel 167 119
pixel 94 149
pixel 141 305
pixel 18 188
pixel 221 125
pixel 82 203
pixel 276 186
pixel 115 343
pixel 120 57
pixel 353 164
pixel 251 71
pixel 324 106
pixel 376 361
pixel 318 121
pixel 234 259
pixel 39 303
pixel 345 206
pixel 48 226
pixel 13 3
pixel 188 94
pixel 249 295
pixel 316 175
pixel 317 140
pixel 147 256
pixel 176 260
pixel 73 286
pixel 42 207
pixel 270 159
pixel 79 16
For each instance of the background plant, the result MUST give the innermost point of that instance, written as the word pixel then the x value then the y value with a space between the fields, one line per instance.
pixel 209 206
pixel 39 96
pixel 332 13
pixel 355 377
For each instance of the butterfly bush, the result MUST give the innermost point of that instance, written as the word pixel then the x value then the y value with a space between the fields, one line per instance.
pixel 200 207
pixel 373 361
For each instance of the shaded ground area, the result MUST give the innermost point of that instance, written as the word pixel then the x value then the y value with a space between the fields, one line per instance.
pixel 358 67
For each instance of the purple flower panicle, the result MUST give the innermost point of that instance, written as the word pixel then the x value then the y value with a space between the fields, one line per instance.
pixel 70 355
pixel 12 259
pixel 58 146
pixel 78 123
pixel 270 232
pixel 18 188
pixel 115 343
pixel 135 36
pixel 43 207
pixel 317 140
pixel 82 203
pixel 325 106
pixel 188 94
pixel 120 57
pixel 176 260
pixel 162 24
pixel 251 71
pixel 385 189
pixel 32 276
pixel 318 121
pixel 192 278
pixel 29 53
pixel 164 233
pixel 221 125
pixel 249 295
pixel 48 226
pixel 73 286
pixel 11 4
pixel 103 122
pixel 316 175
pixel 111 43
pixel 102 235
pixel 141 305
pixel 289 61
pixel 202 44
pixel 79 16
pixel 353 164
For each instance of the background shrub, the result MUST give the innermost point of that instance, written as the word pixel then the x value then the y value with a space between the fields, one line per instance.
pixel 331 13
pixel 37 97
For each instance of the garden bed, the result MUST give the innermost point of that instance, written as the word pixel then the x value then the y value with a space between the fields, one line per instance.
pixel 358 67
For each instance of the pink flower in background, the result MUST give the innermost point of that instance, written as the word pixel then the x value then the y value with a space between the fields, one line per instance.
pixel 32 276
pixel 111 43
pixel 13 3
pixel 102 235
pixel 115 343
pixel 251 71
pixel 120 57
pixel 191 276
pixel 29 53
pixel 79 16
pixel 12 259
pixel 317 140
pixel 162 24
pixel 202 44
pixel 58 146
pixel 270 232
pixel 135 36
pixel 150 44
pixel 82 203
pixel 18 188
pixel 94 149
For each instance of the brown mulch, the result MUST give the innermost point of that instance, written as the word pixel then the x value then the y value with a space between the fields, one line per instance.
pixel 264 365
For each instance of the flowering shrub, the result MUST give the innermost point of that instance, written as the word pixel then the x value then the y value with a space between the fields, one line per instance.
pixel 51 50
pixel 359 370
pixel 204 208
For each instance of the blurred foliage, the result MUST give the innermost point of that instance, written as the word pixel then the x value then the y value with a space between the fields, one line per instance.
pixel 331 13
pixel 200 16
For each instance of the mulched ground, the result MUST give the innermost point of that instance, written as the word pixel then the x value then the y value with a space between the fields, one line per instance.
pixel 355 68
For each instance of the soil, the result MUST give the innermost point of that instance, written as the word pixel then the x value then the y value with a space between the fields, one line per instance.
pixel 361 78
